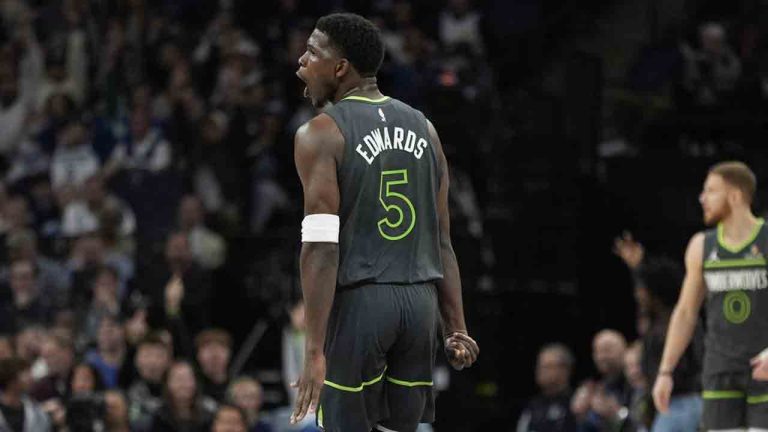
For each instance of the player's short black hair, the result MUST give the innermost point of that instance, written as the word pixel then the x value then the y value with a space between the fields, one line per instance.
pixel 356 39
pixel 663 278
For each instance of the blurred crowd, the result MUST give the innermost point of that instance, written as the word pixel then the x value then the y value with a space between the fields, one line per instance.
pixel 140 141
pixel 700 84
pixel 618 397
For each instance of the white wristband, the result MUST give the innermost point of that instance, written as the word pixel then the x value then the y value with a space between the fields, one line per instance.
pixel 320 228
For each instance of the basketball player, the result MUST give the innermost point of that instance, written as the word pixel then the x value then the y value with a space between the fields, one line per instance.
pixel 727 265
pixel 377 266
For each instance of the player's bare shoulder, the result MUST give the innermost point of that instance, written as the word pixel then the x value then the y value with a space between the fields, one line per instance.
pixel 319 136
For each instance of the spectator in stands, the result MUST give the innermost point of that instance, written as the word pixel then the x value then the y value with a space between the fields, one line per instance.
pixel 116 418
pixel 638 409
pixel 105 303
pixel 208 247
pixel 66 66
pixel 663 279
pixel 711 72
pixel 27 305
pixel 52 277
pixel 460 25
pixel 74 160
pixel 183 407
pixel 550 411
pixel 216 169
pixel 45 212
pixel 17 411
pixel 6 347
pixel 602 404
pixel 608 349
pixel 247 394
pixel 293 348
pixel 28 343
pixel 87 258
pixel 145 395
pixel 607 413
pixel 145 151
pixel 179 294
pixel 632 253
pixel 109 356
pixel 15 215
pixel 58 353
pixel 84 381
pixel 229 418
pixel 214 350
pixel 83 215
pixel 18 90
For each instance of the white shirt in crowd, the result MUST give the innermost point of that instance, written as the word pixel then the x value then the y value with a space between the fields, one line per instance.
pixel 71 166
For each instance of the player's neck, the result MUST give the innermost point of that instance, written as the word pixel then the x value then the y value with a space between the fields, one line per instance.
pixel 364 87
pixel 738 225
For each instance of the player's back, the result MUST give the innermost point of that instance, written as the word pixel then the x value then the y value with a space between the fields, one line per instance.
pixel 388 182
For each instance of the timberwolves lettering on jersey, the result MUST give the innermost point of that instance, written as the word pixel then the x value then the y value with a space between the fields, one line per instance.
pixel 388 184
pixel 736 278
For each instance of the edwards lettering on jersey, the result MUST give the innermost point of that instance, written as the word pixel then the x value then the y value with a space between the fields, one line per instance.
pixel 380 140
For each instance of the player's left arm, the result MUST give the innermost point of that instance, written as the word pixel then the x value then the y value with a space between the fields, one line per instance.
pixel 317 149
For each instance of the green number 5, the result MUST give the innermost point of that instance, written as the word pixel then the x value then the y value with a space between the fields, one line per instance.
pixel 399 226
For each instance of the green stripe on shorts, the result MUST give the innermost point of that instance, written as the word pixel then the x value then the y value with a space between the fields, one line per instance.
pixel 358 388
pixel 722 394
pixel 757 399
pixel 409 383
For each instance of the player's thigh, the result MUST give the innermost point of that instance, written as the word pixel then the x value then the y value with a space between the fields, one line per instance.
pixel 361 326
pixel 411 359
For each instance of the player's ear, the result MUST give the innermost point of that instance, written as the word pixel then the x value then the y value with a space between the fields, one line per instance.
pixel 342 67
pixel 734 194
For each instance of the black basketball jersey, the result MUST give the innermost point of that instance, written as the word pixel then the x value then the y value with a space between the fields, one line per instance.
pixel 388 182
pixel 736 278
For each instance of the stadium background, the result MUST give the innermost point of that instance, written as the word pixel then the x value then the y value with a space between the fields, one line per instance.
pixel 565 122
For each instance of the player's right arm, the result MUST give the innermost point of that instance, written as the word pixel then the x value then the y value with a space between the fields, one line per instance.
pixel 683 321
pixel 462 350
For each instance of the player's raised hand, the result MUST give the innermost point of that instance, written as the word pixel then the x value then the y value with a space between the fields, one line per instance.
pixel 310 384
pixel 462 351
pixel 629 250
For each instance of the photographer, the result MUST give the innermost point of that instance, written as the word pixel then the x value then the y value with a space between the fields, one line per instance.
pixel 85 405
pixel 18 413
pixel 145 395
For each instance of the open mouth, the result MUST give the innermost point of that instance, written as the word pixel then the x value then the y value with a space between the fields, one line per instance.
pixel 306 88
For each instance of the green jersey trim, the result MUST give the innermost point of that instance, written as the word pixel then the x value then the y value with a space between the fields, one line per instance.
pixel 358 388
pixel 409 383
pixel 742 245
pixel 722 394
pixel 757 399
pixel 731 263
pixel 368 100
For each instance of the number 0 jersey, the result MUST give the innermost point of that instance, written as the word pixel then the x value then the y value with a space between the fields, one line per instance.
pixel 736 278
pixel 388 182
